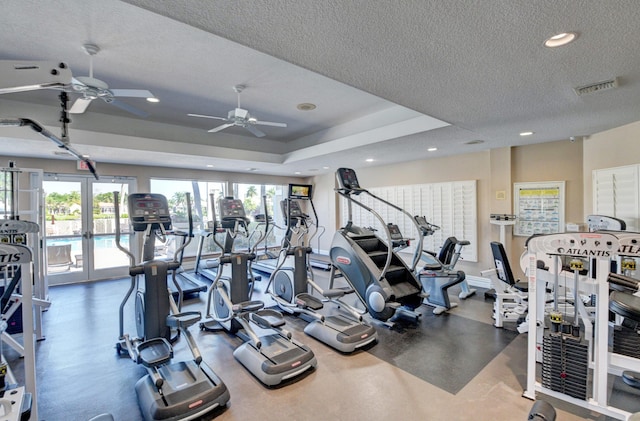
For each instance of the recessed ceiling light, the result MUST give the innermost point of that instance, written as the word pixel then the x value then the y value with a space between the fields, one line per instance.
pixel 526 133
pixel 306 106
pixel 560 39
pixel 325 168
pixel 432 149
pixel 153 99
pixel 297 173
pixel 252 169
pixel 369 159
pixel 209 166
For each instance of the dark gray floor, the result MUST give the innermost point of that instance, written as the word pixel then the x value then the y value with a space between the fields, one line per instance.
pixel 456 366
pixel 430 351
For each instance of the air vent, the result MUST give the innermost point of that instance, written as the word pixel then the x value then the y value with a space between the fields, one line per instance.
pixel 596 87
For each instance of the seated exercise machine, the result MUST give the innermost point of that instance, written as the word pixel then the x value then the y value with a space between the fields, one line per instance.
pixel 383 282
pixel 510 294
pixel 292 281
pixel 268 350
pixel 438 273
pixel 171 390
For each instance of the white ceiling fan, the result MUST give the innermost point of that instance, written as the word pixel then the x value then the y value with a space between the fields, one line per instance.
pixel 240 117
pixel 92 88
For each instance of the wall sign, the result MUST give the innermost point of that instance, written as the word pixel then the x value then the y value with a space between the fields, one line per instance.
pixel 539 207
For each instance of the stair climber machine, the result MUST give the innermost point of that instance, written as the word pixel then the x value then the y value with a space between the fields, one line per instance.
pixel 290 283
pixel 384 283
pixel 170 391
pixel 269 351
pixel 438 273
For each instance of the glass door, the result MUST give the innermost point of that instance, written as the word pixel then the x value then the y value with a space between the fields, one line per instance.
pixel 80 228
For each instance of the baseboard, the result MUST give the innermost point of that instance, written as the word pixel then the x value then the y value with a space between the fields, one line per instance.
pixel 478 281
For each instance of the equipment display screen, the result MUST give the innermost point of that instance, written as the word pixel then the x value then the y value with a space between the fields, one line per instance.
pixel 300 191
pixel 347 178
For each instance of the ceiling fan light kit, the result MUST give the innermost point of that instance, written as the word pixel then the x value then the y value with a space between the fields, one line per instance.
pixel 241 118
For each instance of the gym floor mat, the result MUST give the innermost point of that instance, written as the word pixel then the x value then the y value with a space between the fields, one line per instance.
pixel 447 351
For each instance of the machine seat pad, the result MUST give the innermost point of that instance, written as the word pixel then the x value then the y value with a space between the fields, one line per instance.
pixel 267 318
pixel 431 267
pixel 625 305
pixel 623 283
pixel 631 378
pixel 249 306
pixel 305 300
pixel 183 320
pixel 154 352
pixel 522 286
pixel 337 292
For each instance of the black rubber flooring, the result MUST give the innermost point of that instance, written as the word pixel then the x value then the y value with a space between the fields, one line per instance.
pixel 447 351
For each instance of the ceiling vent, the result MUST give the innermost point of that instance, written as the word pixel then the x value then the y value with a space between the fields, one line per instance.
pixel 596 87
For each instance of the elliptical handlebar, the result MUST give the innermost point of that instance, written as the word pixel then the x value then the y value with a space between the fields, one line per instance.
pixel 189 233
pixel 116 202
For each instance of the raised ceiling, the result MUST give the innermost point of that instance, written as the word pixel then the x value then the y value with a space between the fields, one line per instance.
pixel 390 79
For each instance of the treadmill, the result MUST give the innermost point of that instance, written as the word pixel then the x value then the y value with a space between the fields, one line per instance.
pixel 186 283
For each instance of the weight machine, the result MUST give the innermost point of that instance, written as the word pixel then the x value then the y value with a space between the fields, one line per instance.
pixel 576 363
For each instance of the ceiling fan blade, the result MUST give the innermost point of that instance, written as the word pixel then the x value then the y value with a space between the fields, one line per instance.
pixel 206 116
pixel 80 106
pixel 254 130
pixel 221 127
pixel 270 123
pixel 129 108
pixel 132 93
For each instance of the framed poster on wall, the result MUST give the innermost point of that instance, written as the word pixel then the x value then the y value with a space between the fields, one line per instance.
pixel 539 207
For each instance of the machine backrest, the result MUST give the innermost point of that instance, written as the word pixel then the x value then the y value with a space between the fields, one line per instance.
pixel 503 269
pixel 448 250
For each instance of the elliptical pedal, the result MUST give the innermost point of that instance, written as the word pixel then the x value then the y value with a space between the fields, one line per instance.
pixel 154 352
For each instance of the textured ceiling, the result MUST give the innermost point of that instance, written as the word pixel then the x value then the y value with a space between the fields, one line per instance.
pixel 376 70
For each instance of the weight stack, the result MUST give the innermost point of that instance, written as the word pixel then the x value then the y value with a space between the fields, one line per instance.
pixel 626 341
pixel 565 365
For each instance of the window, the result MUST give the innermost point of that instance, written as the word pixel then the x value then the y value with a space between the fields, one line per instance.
pixel 175 192
pixel 252 196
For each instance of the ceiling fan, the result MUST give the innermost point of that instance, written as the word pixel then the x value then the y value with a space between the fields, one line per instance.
pixel 240 117
pixel 92 88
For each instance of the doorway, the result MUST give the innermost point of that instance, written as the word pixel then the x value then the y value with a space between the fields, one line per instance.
pixel 80 228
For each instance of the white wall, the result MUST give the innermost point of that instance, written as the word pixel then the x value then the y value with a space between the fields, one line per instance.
pixel 612 148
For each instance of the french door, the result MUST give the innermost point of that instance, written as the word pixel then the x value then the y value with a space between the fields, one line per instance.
pixel 80 227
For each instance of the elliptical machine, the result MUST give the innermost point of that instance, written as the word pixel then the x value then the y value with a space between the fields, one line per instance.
pixel 290 281
pixel 438 274
pixel 170 391
pixel 269 351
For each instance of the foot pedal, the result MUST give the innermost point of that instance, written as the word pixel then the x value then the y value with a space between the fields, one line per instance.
pixel 154 352
pixel 183 320
pixel 308 301
pixel 247 306
pixel 267 319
